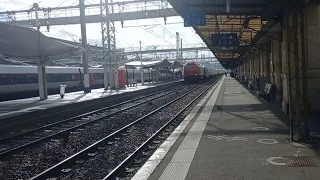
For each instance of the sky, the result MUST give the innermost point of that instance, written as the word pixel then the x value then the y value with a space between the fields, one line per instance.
pixel 158 35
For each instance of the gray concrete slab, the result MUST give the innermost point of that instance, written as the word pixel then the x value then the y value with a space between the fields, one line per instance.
pixel 243 139
pixel 21 106
pixel 179 157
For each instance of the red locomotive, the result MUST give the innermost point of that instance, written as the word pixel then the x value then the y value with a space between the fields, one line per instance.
pixel 193 71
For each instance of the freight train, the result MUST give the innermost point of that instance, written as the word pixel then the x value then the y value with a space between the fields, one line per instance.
pixel 193 71
pixel 22 81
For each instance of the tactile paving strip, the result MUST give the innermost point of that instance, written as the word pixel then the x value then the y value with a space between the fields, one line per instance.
pixel 301 161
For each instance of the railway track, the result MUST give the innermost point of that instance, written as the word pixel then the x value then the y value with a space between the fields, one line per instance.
pixel 16 125
pixel 14 143
pixel 33 159
pixel 107 157
pixel 130 165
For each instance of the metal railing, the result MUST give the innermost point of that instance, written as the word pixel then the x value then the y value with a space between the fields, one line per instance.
pixel 91 9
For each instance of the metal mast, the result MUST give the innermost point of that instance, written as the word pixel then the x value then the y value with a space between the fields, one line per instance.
pixel 141 68
pixel 42 77
pixel 177 46
pixel 108 42
pixel 85 46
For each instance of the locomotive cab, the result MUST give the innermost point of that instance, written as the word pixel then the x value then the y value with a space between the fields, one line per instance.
pixel 191 72
pixel 194 72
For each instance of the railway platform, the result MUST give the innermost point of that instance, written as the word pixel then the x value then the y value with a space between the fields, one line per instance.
pixel 232 135
pixel 21 106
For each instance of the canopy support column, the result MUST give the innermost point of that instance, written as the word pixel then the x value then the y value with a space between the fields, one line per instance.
pixel 84 45
pixel 110 70
pixel 141 68
pixel 42 79
pixel 116 77
pixel 105 76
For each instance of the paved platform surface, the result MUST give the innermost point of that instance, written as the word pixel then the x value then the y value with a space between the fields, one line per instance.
pixel 231 135
pixel 15 107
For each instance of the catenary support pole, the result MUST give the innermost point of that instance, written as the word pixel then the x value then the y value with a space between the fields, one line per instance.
pixel 43 93
pixel 84 45
pixel 106 72
pixel 42 79
pixel 177 46
pixel 141 68
pixel 181 53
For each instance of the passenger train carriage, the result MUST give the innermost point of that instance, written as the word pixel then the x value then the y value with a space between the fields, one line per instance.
pixel 193 71
pixel 16 80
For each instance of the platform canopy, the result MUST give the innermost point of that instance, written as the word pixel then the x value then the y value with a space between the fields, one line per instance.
pixel 246 22
pixel 144 63
pixel 155 64
pixel 176 65
pixel 164 64
pixel 23 42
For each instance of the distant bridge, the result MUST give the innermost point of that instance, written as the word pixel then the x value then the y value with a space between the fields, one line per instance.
pixel 123 11
pixel 133 51
pixel 97 18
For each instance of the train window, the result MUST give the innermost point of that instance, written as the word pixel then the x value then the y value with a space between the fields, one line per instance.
pixel 32 78
pixel 3 79
pixel 77 77
pixel 10 79
pixel 190 66
pixel 98 76
pixel 60 77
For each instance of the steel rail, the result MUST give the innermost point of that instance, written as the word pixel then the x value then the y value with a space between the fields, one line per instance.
pixel 67 130
pixel 139 150
pixel 72 159
pixel 72 118
pixel 109 99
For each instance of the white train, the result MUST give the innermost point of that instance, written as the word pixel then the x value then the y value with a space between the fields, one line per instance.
pixel 24 79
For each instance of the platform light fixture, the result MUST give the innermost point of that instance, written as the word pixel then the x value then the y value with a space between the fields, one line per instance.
pixel 228 3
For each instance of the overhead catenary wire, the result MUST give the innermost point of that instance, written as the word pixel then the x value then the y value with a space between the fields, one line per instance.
pixel 16 3
pixel 165 30
pixel 68 33
pixel 62 3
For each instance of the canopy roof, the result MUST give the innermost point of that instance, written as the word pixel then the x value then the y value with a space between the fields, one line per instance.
pixel 155 64
pixel 138 63
pixel 248 19
pixel 18 41
pixel 176 64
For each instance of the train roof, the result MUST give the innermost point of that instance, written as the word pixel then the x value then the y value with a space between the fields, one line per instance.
pixel 10 69
pixel 197 64
pixel 47 67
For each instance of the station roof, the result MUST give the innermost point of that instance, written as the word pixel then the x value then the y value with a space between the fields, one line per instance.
pixel 28 43
pixel 156 64
pixel 138 63
pixel 246 18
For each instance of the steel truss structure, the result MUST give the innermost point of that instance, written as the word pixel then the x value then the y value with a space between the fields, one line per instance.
pixel 108 34
pixel 297 80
